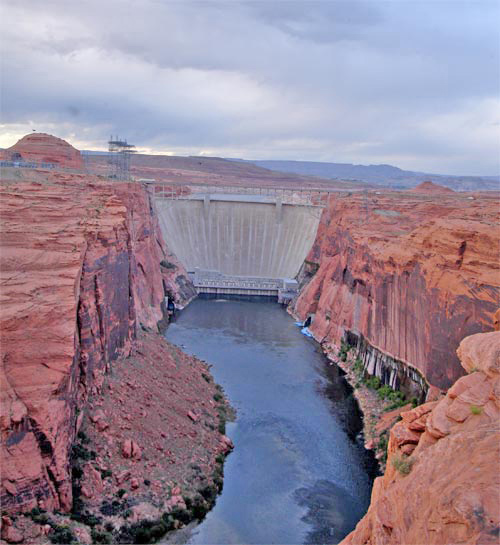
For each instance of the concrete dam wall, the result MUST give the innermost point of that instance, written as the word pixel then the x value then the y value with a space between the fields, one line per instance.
pixel 239 235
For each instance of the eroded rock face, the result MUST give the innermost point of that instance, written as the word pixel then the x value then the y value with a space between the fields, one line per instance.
pixel 44 148
pixel 441 483
pixel 411 274
pixel 80 270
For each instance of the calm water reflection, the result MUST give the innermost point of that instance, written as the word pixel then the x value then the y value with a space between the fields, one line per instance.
pixel 296 475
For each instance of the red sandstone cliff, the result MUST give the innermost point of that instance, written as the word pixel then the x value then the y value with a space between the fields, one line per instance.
pixel 83 265
pixel 442 481
pixel 44 148
pixel 431 188
pixel 408 274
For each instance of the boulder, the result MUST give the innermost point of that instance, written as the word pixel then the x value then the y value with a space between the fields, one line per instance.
pixel 130 449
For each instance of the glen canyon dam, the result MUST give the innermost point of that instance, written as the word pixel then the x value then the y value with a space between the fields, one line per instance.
pixel 250 272
pixel 240 242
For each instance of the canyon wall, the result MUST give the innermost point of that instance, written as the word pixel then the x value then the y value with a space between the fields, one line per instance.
pixel 404 276
pixel 83 266
pixel 441 483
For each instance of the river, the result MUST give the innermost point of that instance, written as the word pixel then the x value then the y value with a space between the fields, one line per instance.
pixel 297 474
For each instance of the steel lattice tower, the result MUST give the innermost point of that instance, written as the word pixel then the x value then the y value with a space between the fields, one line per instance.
pixel 119 158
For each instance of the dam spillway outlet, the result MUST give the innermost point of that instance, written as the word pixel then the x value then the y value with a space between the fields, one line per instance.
pixel 214 282
pixel 254 242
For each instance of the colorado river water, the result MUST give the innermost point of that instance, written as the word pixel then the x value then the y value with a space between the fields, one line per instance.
pixel 296 474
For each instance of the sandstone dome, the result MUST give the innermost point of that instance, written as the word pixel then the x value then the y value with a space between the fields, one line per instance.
pixel 44 148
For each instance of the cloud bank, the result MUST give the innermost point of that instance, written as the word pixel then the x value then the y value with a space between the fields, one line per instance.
pixel 411 83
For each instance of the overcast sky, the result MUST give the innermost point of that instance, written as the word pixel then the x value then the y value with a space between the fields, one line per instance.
pixel 414 84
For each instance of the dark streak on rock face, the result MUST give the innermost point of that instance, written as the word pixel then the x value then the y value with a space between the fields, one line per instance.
pixel 389 370
pixel 395 281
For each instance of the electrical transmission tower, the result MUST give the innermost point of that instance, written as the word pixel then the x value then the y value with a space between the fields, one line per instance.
pixel 119 158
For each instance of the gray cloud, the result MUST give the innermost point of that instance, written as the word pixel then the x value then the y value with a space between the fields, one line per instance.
pixel 411 83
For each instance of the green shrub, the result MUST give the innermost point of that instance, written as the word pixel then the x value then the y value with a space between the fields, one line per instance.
pixel 402 464
pixel 199 508
pixel 181 514
pixel 222 426
pixel 127 513
pixel 91 520
pixel 39 516
pixel 358 365
pixel 397 397
pixel 43 518
pixel 209 493
pixel 111 509
pixel 85 517
pixel 395 405
pixel 105 473
pixel 206 377
pixel 474 409
pixel 222 419
pixel 142 535
pixel 79 452
pixel 345 347
pixel 168 521
pixel 384 391
pixel 383 442
pixel 166 264
pixel 381 446
pixel 146 531
pixel 61 534
pixel 218 397
pixel 101 537
pixel 217 477
pixel 373 383
pixel 121 492
pixel 158 530
pixel 83 437
pixel 220 458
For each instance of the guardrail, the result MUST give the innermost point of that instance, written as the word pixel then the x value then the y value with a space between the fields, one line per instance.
pixel 306 196
pixel 27 164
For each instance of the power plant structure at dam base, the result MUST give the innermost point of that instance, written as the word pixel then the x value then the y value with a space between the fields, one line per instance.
pixel 240 244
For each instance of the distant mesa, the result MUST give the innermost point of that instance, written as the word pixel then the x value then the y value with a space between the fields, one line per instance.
pixel 44 148
pixel 431 187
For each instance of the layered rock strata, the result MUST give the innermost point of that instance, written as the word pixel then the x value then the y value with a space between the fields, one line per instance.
pixel 441 483
pixel 404 277
pixel 83 266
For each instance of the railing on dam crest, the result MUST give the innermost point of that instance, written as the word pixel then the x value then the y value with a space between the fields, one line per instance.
pixel 297 196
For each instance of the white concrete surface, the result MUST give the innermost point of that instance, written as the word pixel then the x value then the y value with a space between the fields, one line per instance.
pixel 239 238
